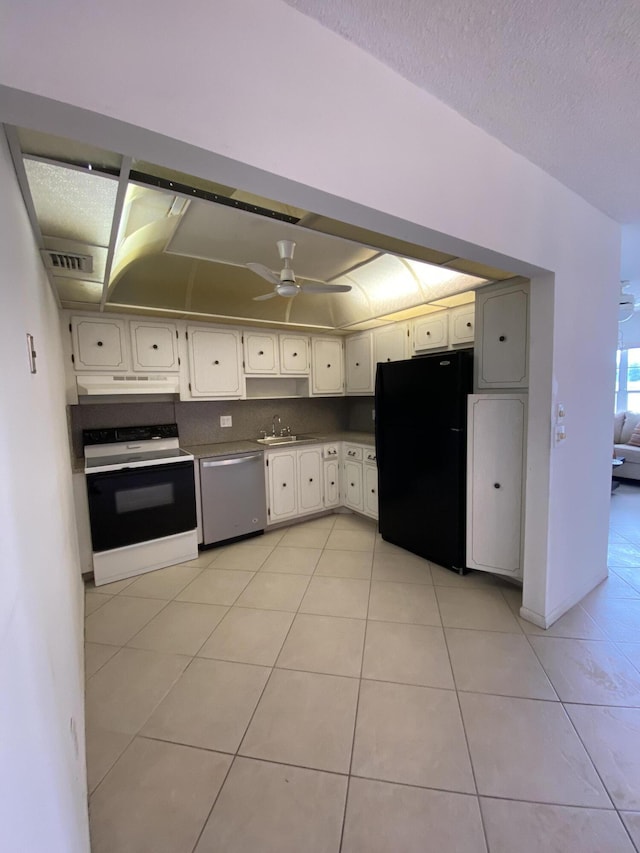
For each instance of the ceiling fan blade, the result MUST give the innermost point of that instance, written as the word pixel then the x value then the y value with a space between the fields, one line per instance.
pixel 264 272
pixel 264 297
pixel 313 287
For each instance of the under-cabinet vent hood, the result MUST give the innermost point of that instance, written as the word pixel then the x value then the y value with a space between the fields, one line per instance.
pixel 129 383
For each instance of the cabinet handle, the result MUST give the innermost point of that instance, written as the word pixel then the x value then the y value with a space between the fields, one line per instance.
pixel 373 491
pixel 328 365
pixel 311 479
pixel 154 346
pixel 332 483
pixel 284 485
pixel 502 338
pixel 295 355
pixel 216 362
pixel 352 485
pixel 468 325
pixel 99 343
pixel 388 359
pixel 261 352
pixel 496 485
pixel 357 364
pixel 428 334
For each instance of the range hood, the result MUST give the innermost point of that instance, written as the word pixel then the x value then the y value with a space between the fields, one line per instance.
pixel 128 383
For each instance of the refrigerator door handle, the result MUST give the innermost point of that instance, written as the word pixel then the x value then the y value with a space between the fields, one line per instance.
pixel 456 429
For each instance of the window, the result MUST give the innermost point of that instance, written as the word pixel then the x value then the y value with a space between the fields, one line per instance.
pixel 628 380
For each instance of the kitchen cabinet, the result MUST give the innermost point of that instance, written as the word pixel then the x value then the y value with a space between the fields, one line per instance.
pixel 495 478
pixel 370 490
pixel 431 332
pixel 154 346
pixel 281 485
pixel 294 354
pixel 327 370
pixel 462 325
pixel 331 478
pixel 310 493
pixel 99 344
pixel 261 351
pixel 215 359
pixel 352 490
pixel 358 357
pixel 502 338
pixel 390 343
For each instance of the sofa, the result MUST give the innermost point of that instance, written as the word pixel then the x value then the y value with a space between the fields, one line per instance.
pixel 623 425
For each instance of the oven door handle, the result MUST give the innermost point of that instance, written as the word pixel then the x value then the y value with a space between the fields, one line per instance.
pixel 237 461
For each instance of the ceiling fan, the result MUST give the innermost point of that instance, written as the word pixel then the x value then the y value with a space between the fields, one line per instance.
pixel 627 303
pixel 286 284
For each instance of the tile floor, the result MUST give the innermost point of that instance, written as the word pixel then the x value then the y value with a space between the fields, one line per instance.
pixel 320 690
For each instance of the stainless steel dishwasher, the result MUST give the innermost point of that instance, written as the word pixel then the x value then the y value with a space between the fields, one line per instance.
pixel 233 495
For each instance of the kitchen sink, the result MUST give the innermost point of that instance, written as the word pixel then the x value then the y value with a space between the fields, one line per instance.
pixel 277 440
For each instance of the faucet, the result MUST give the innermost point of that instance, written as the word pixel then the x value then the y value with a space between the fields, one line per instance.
pixel 276 418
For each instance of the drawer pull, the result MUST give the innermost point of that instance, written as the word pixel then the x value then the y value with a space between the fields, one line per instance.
pixel 502 338
pixel 100 343
pixel 295 355
pixel 352 485
pixel 496 485
pixel 373 491
pixel 261 352
pixel 333 483
pixel 328 365
pixel 216 362
pixel 154 346
pixel 357 364
pixel 468 325
pixel 284 485
pixel 311 479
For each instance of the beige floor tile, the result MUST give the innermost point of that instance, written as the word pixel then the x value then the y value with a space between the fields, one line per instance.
pixel 157 797
pixel 483 609
pixel 472 580
pixel 270 808
pixel 324 644
pixel 119 619
pixel 412 735
pixel 122 694
pixel 528 750
pixel 203 560
pixel 104 748
pixel 386 818
pixel 588 671
pixel 269 539
pixel 612 739
pixel 403 602
pixel 632 822
pixel 271 591
pixel 619 618
pixel 631 576
pixel 351 521
pixel 535 828
pixel 300 537
pixel 95 656
pixel 616 585
pixel 403 569
pixel 575 624
pixel 623 554
pixel 297 561
pixel 110 588
pixel 327 596
pixel 491 662
pixel 249 636
pixel 245 558
pixel 163 583
pixel 412 654
pixel 304 719
pixel 216 586
pixel 181 628
pixel 93 601
pixel 210 706
pixel 632 652
pixel 324 522
pixel 350 540
pixel 345 564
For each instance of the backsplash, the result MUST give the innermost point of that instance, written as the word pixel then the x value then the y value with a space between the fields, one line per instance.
pixel 359 415
pixel 199 422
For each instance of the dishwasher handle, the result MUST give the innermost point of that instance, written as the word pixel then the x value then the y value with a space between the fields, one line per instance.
pixel 237 460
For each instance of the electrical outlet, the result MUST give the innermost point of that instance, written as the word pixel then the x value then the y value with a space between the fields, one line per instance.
pixel 225 420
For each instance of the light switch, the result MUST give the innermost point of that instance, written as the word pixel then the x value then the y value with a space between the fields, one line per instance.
pixel 225 420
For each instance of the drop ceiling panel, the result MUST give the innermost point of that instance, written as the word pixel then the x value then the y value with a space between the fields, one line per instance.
pixel 75 290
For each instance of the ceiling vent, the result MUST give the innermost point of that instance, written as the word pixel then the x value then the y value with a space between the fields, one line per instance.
pixel 67 261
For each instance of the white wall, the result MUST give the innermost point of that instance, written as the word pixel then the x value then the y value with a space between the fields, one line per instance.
pixel 42 775
pixel 284 108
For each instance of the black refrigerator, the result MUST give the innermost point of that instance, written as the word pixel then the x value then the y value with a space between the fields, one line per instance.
pixel 421 448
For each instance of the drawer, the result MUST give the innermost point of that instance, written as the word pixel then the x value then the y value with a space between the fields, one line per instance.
pixel 370 456
pixel 330 451
pixel 353 452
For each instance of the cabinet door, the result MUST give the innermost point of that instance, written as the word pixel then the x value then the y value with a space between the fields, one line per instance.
pixel 281 479
pixel 496 426
pixel 431 332
pixel 462 324
pixel 327 374
pixel 310 480
pixel 390 343
pixel 331 483
pixel 370 490
pixel 154 346
pixel 358 364
pixel 502 337
pixel 353 485
pixel 99 344
pixel 260 352
pixel 214 359
pixel 294 354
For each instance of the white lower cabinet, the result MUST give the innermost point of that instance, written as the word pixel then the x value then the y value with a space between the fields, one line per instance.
pixel 310 495
pixel 370 490
pixel 331 483
pixel 294 483
pixel 352 490
pixel 495 478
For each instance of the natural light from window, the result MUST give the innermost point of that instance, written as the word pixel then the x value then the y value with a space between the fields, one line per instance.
pixel 628 380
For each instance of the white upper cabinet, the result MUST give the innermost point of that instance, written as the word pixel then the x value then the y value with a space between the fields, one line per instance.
pixel 462 324
pixel 215 361
pixel 327 371
pixel 294 354
pixel 390 343
pixel 358 364
pixel 260 352
pixel 99 344
pixel 431 332
pixel 154 346
pixel 502 346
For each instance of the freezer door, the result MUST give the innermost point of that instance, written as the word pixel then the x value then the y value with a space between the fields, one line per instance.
pixel 233 496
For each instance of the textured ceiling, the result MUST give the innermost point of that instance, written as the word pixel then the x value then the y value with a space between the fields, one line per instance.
pixel 556 80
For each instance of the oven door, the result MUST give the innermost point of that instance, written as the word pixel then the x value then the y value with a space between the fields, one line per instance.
pixel 134 505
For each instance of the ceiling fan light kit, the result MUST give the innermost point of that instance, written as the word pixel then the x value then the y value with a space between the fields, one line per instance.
pixel 286 284
pixel 626 303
